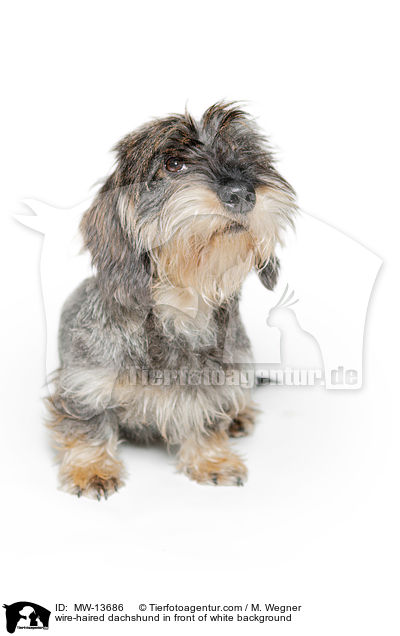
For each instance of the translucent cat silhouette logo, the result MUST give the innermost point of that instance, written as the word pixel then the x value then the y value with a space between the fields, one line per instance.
pixel 300 353
pixel 298 349
pixel 26 615
pixel 330 275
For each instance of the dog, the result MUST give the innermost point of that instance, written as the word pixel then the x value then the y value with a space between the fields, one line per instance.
pixel 190 209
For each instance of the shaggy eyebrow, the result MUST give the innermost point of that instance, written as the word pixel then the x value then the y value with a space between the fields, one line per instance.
pixel 174 150
pixel 184 138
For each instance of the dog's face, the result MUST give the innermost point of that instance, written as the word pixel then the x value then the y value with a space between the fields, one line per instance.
pixel 191 206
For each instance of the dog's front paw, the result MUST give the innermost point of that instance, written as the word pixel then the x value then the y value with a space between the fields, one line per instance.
pixel 98 487
pixel 82 481
pixel 225 471
pixel 212 462
pixel 90 470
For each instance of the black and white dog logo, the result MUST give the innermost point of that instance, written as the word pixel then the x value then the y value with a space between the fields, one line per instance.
pixel 26 615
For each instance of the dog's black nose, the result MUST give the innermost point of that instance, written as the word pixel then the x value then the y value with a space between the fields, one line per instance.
pixel 237 196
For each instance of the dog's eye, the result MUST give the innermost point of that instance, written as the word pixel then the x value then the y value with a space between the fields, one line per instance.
pixel 174 164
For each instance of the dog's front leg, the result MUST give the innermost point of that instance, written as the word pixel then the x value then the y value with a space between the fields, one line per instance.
pixel 209 459
pixel 87 452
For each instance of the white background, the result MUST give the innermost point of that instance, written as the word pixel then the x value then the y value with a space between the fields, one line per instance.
pixel 317 523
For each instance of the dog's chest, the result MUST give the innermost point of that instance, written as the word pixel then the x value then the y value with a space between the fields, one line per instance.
pixel 158 346
pixel 169 348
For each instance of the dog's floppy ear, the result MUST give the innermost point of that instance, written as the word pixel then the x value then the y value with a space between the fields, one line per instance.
pixel 123 270
pixel 269 273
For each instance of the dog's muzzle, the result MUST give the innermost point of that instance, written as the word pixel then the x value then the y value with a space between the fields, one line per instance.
pixel 237 196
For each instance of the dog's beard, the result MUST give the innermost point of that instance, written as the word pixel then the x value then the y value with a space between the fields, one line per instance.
pixel 200 252
pixel 206 253
pixel 209 252
pixel 203 271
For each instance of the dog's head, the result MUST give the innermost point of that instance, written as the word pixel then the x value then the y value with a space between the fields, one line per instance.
pixel 190 208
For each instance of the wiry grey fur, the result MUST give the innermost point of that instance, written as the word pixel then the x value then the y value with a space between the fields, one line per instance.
pixel 112 328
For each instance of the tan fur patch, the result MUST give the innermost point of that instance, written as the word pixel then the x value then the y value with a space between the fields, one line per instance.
pixel 213 266
pixel 89 468
pixel 212 461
